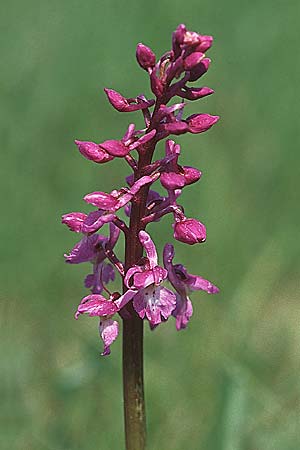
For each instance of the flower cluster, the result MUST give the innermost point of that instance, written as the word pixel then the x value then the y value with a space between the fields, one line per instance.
pixel 144 279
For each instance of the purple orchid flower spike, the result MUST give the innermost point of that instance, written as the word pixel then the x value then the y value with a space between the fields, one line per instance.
pixel 183 282
pixel 151 300
pixel 144 296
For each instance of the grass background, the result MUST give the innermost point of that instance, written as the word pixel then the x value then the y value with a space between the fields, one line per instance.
pixel 231 380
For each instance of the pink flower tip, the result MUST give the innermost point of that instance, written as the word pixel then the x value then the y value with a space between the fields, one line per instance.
pixel 189 231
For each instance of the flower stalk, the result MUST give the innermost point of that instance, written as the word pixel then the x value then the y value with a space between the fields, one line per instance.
pixel 144 295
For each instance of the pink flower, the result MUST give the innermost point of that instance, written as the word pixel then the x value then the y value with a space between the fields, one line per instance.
pixel 97 305
pixel 183 282
pixel 152 301
pixel 173 175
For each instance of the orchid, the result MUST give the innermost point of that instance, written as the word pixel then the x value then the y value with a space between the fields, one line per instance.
pixel 151 293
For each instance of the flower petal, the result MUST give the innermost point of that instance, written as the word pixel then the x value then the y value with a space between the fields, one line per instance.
pixel 149 247
pixel 196 283
pixel 96 305
pixel 182 313
pixel 85 250
pixel 154 302
pixel 108 330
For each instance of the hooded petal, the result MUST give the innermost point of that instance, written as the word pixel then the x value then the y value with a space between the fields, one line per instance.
pixel 149 247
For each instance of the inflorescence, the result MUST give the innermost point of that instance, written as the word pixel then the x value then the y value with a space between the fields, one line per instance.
pixel 144 280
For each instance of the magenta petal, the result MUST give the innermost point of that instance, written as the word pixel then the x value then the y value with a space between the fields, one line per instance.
pixel 84 250
pixel 149 247
pixel 190 231
pixel 115 148
pixel 74 221
pixel 108 330
pixel 96 305
pixel 143 279
pixel 183 313
pixel 196 283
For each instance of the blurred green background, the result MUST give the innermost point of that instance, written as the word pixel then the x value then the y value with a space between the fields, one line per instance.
pixel 231 380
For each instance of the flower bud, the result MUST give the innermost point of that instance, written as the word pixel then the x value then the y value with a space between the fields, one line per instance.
pixel 198 123
pixel 192 60
pixel 74 221
pixel 93 152
pixel 123 104
pixel 101 199
pixel 189 231
pixel 200 69
pixel 156 85
pixel 191 174
pixel 205 43
pixel 145 56
pixel 176 127
pixel 115 148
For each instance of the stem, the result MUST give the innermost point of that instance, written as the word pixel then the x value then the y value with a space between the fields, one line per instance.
pixel 133 373
pixel 133 379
